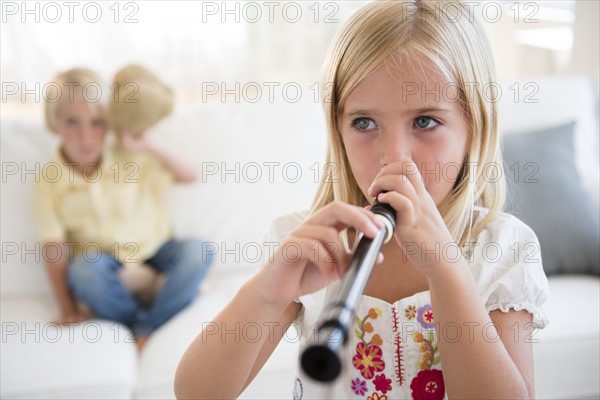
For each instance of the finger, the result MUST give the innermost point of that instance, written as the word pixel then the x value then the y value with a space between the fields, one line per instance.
pixel 394 183
pixel 414 176
pixel 405 208
pixel 407 168
pixel 330 240
pixel 341 215
pixel 304 249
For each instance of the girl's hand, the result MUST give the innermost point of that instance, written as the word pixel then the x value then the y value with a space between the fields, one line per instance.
pixel 313 255
pixel 420 229
pixel 135 143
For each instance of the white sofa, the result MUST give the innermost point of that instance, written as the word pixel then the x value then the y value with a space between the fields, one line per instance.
pixel 97 360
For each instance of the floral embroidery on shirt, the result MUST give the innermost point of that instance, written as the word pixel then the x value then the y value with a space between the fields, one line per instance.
pixel 376 396
pixel 425 317
pixel 428 349
pixel 398 356
pixel 382 383
pixel 359 386
pixel 374 313
pixel 363 326
pixel 368 360
pixel 410 312
pixel 428 385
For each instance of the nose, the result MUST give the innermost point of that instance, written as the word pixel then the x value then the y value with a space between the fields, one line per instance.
pixel 87 133
pixel 395 146
pixel 88 137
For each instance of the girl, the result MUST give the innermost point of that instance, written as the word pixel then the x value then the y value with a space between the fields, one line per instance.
pixel 461 284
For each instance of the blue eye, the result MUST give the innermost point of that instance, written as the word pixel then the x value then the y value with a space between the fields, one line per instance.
pixel 423 122
pixel 72 122
pixel 363 124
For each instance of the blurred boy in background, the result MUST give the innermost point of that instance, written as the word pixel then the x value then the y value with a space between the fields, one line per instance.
pixel 104 214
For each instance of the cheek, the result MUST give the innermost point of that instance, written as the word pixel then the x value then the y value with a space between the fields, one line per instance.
pixel 99 133
pixel 363 163
pixel 69 133
pixel 439 170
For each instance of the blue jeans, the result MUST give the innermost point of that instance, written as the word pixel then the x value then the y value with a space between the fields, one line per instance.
pixel 97 284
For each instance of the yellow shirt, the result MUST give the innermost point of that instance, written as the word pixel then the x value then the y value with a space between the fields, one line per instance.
pixel 120 210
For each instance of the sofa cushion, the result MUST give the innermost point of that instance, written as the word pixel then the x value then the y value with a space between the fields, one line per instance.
pixel 567 352
pixel 545 191
pixel 92 359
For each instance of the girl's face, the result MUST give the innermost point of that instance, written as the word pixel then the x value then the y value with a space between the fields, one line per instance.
pixel 396 114
pixel 82 129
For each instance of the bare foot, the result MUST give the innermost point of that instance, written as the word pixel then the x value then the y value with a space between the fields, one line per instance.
pixel 140 342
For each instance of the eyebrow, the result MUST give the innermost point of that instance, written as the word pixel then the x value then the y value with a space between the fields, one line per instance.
pixel 417 111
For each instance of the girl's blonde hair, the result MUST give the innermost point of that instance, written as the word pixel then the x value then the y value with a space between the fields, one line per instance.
pixel 140 100
pixel 68 84
pixel 456 44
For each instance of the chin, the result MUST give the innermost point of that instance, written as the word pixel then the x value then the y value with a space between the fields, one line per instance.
pixel 90 159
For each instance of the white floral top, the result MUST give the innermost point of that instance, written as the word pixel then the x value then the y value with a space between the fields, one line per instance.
pixel 392 352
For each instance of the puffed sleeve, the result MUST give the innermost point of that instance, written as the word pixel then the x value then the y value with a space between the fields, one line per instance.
pixel 506 262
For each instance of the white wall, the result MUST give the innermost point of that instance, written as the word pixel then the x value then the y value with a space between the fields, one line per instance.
pixel 188 44
pixel 586 51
